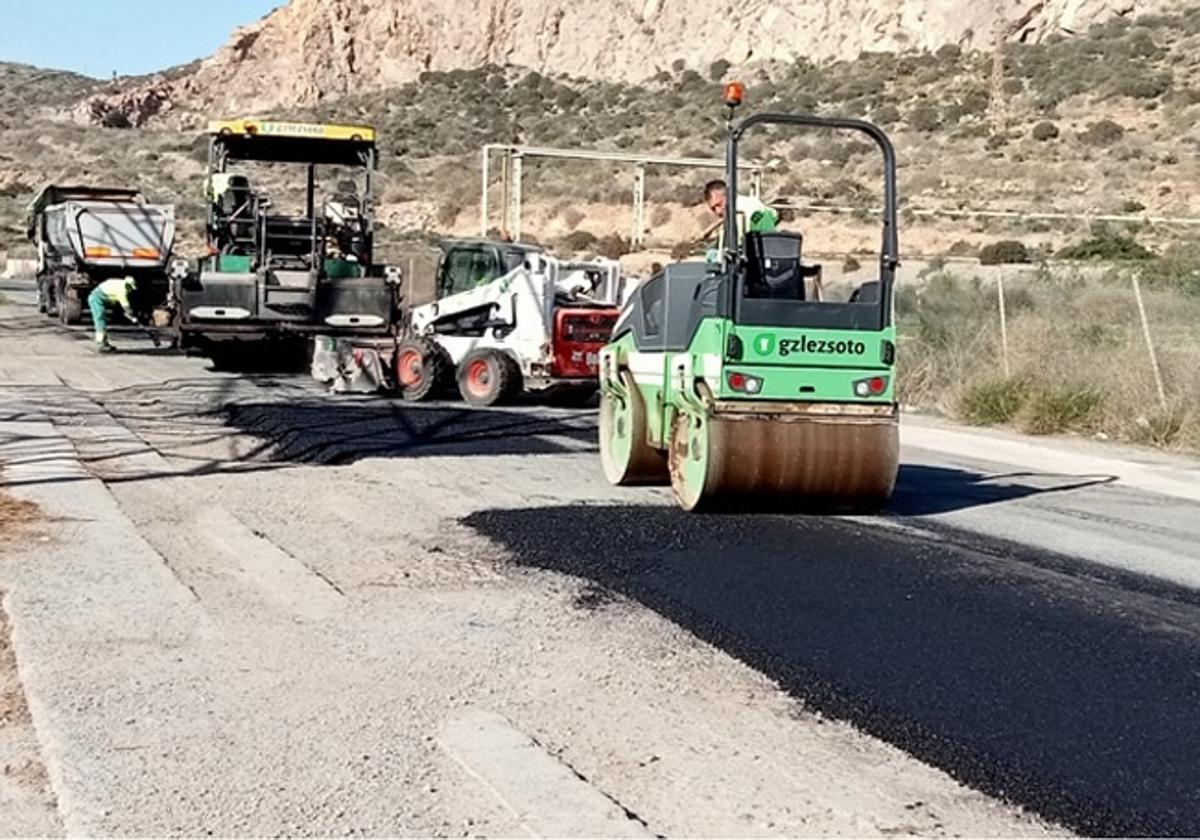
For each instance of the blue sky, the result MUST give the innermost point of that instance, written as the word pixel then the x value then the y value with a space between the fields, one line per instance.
pixel 96 37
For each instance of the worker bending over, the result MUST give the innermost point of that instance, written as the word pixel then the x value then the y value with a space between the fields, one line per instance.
pixel 106 297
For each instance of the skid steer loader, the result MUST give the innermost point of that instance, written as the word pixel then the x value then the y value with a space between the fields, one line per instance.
pixel 741 383
pixel 509 319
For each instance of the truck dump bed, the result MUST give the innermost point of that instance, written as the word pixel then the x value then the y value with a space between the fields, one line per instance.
pixel 112 234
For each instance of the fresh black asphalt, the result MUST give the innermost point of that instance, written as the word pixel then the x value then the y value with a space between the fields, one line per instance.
pixel 1037 678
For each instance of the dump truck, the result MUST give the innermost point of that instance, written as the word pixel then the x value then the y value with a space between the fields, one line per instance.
pixel 269 273
pixel 741 383
pixel 85 235
pixel 509 319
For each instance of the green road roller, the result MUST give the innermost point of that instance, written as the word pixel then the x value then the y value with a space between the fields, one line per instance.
pixel 745 383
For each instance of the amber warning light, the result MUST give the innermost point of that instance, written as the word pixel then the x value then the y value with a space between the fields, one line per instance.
pixel 735 92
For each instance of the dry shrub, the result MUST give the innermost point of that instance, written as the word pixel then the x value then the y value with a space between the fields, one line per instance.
pixel 578 240
pixel 660 216
pixel 612 246
pixel 995 401
pixel 447 214
pixel 1051 409
pixel 572 217
pixel 1078 359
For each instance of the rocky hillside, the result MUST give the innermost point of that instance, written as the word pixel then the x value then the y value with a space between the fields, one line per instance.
pixel 309 51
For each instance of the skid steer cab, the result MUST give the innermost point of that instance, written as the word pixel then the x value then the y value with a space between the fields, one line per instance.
pixel 287 260
pixel 509 319
pixel 746 382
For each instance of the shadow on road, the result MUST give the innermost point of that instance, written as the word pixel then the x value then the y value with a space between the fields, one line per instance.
pixel 345 429
pixel 1020 674
pixel 923 490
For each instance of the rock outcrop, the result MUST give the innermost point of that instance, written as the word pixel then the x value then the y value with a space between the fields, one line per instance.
pixel 313 50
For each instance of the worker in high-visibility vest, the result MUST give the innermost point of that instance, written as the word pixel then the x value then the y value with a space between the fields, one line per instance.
pixel 106 297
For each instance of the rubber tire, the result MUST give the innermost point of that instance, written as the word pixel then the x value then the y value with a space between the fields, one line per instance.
pixel 70 308
pixel 434 369
pixel 644 464
pixel 514 385
pixel 486 377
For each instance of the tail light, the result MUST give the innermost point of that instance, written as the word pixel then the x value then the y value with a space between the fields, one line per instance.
pixel 876 386
pixel 744 383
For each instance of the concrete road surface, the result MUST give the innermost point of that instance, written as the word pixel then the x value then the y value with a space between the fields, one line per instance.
pixel 252 607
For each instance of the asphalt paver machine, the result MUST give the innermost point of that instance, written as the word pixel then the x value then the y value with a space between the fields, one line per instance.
pixel 269 273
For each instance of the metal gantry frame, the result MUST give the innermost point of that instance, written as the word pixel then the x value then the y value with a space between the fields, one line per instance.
pixel 511 173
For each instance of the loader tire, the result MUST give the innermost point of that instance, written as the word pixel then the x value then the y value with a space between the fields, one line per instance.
pixel 422 368
pixel 488 377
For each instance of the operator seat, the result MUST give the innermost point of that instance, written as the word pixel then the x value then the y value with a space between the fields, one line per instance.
pixel 774 269
pixel 343 217
pixel 233 204
pixel 773 266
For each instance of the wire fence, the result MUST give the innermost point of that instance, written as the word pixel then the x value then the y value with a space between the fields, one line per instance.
pixel 1114 353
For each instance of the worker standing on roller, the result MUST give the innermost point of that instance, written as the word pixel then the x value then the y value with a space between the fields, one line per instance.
pixel 108 296
pixel 752 214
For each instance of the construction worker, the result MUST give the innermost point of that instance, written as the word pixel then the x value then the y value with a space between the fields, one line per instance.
pixel 107 296
pixel 752 214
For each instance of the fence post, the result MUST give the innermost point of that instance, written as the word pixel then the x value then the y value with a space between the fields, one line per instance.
pixel 1158 380
pixel 1003 322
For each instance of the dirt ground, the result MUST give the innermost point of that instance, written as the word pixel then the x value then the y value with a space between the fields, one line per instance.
pixel 15 514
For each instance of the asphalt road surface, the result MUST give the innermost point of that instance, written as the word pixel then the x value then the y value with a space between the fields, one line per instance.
pixel 1024 622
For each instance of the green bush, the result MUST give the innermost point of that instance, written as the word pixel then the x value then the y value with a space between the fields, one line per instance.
pixel 718 69
pixel 949 52
pixel 1138 86
pixel 579 240
pixel 1105 247
pixel 1102 133
pixel 1178 269
pixel 924 118
pixel 1004 251
pixel 1050 410
pixel 991 402
pixel 1161 427
pixel 1045 130
pixel 886 114
pixel 612 246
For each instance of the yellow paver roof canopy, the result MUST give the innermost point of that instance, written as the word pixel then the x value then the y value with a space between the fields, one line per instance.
pixel 307 131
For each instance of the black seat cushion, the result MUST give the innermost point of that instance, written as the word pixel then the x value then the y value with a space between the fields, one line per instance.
pixel 773 268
